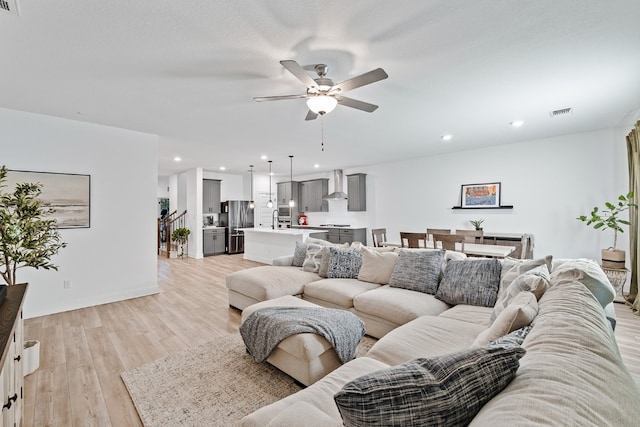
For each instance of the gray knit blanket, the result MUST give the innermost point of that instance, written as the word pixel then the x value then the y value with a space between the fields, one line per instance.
pixel 265 328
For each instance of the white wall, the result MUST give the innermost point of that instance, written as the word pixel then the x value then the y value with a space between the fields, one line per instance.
pixel 549 182
pixel 115 258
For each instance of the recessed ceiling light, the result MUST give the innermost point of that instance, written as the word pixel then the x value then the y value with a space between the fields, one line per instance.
pixel 517 123
pixel 177 159
pixel 263 157
pixel 446 137
pixel 316 166
pixel 222 168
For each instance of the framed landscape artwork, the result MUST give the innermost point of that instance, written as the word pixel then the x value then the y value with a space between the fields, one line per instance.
pixel 481 195
pixel 69 195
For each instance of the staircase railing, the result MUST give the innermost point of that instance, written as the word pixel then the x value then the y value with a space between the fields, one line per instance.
pixel 166 226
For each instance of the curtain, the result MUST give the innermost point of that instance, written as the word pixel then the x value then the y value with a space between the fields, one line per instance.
pixel 633 143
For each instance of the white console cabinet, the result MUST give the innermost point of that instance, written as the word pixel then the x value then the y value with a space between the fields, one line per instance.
pixel 11 342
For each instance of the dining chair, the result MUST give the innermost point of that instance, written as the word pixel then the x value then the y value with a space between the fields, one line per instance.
pixel 412 240
pixel 448 241
pixel 378 235
pixel 473 236
pixel 432 231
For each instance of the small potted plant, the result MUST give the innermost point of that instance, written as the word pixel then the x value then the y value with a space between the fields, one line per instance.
pixel 477 223
pixel 609 218
pixel 180 236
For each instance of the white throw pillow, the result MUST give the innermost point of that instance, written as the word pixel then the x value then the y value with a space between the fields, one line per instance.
pixel 519 313
pixel 377 266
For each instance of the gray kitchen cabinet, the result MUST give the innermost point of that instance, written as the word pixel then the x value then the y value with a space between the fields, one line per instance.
pixel 357 192
pixel 285 192
pixel 210 196
pixel 312 195
pixel 347 235
pixel 213 241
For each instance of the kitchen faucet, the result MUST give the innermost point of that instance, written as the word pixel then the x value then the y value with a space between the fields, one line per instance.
pixel 274 219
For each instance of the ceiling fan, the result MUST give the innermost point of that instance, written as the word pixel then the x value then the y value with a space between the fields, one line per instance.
pixel 323 94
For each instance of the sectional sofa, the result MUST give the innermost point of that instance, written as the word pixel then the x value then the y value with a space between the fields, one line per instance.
pixel 564 368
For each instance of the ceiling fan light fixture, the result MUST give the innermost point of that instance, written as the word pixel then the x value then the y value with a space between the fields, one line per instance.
pixel 322 104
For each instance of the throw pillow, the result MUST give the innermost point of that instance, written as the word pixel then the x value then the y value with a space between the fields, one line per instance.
pixel 417 270
pixel 587 272
pixel 299 254
pixel 443 391
pixel 513 267
pixel 515 338
pixel 470 281
pixel 536 280
pixel 377 266
pixel 324 261
pixel 521 312
pixel 344 263
pixel 312 260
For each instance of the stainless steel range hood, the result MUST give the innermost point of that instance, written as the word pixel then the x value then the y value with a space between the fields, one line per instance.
pixel 337 194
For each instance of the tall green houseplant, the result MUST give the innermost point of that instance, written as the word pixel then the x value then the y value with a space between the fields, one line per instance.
pixel 28 238
pixel 609 218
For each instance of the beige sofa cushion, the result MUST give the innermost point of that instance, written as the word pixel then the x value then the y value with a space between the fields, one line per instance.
pixel 425 336
pixel 398 305
pixel 589 273
pixel 319 395
pixel 514 267
pixel 520 312
pixel 336 293
pixel 269 282
pixel 572 373
pixel 469 313
pixel 377 266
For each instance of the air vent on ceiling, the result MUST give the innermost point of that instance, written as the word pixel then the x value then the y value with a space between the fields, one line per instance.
pixel 9 6
pixel 561 112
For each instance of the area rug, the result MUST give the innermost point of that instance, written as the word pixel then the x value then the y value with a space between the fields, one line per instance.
pixel 216 383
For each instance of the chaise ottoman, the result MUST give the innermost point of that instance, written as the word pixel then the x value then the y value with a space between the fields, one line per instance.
pixel 306 357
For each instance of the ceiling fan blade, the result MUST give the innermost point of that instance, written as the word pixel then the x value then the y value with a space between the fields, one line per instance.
pixel 278 98
pixel 354 103
pixel 294 68
pixel 361 80
pixel 311 115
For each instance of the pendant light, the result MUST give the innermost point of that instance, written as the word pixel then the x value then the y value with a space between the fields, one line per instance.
pixel 251 203
pixel 270 202
pixel 292 202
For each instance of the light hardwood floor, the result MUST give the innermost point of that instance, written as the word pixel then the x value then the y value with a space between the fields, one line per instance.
pixel 83 352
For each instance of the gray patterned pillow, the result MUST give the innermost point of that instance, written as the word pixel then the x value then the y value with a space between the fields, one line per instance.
pixel 513 267
pixel 470 281
pixel 313 259
pixel 417 270
pixel 536 280
pixel 299 254
pixel 513 339
pixel 344 263
pixel 324 261
pixel 443 391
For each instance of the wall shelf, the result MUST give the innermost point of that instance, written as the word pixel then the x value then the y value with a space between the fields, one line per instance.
pixel 480 207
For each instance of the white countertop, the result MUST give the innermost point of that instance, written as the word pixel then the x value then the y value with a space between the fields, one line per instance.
pixel 212 227
pixel 323 227
pixel 290 231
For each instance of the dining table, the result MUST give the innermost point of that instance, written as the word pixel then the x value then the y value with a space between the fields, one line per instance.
pixel 473 249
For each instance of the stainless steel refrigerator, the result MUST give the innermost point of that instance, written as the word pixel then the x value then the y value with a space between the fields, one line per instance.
pixel 234 215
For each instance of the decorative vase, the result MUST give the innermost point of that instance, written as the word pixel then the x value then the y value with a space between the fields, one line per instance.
pixel 613 258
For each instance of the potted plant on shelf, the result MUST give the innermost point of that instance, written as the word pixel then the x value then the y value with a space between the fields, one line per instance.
pixel 609 218
pixel 180 236
pixel 28 238
pixel 477 223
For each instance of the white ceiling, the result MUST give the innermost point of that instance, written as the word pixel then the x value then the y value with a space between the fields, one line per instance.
pixel 187 71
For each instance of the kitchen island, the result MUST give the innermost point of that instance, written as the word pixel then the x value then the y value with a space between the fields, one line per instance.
pixel 266 244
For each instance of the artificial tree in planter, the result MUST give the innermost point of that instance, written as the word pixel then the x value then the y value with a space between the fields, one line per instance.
pixel 28 238
pixel 180 236
pixel 609 218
